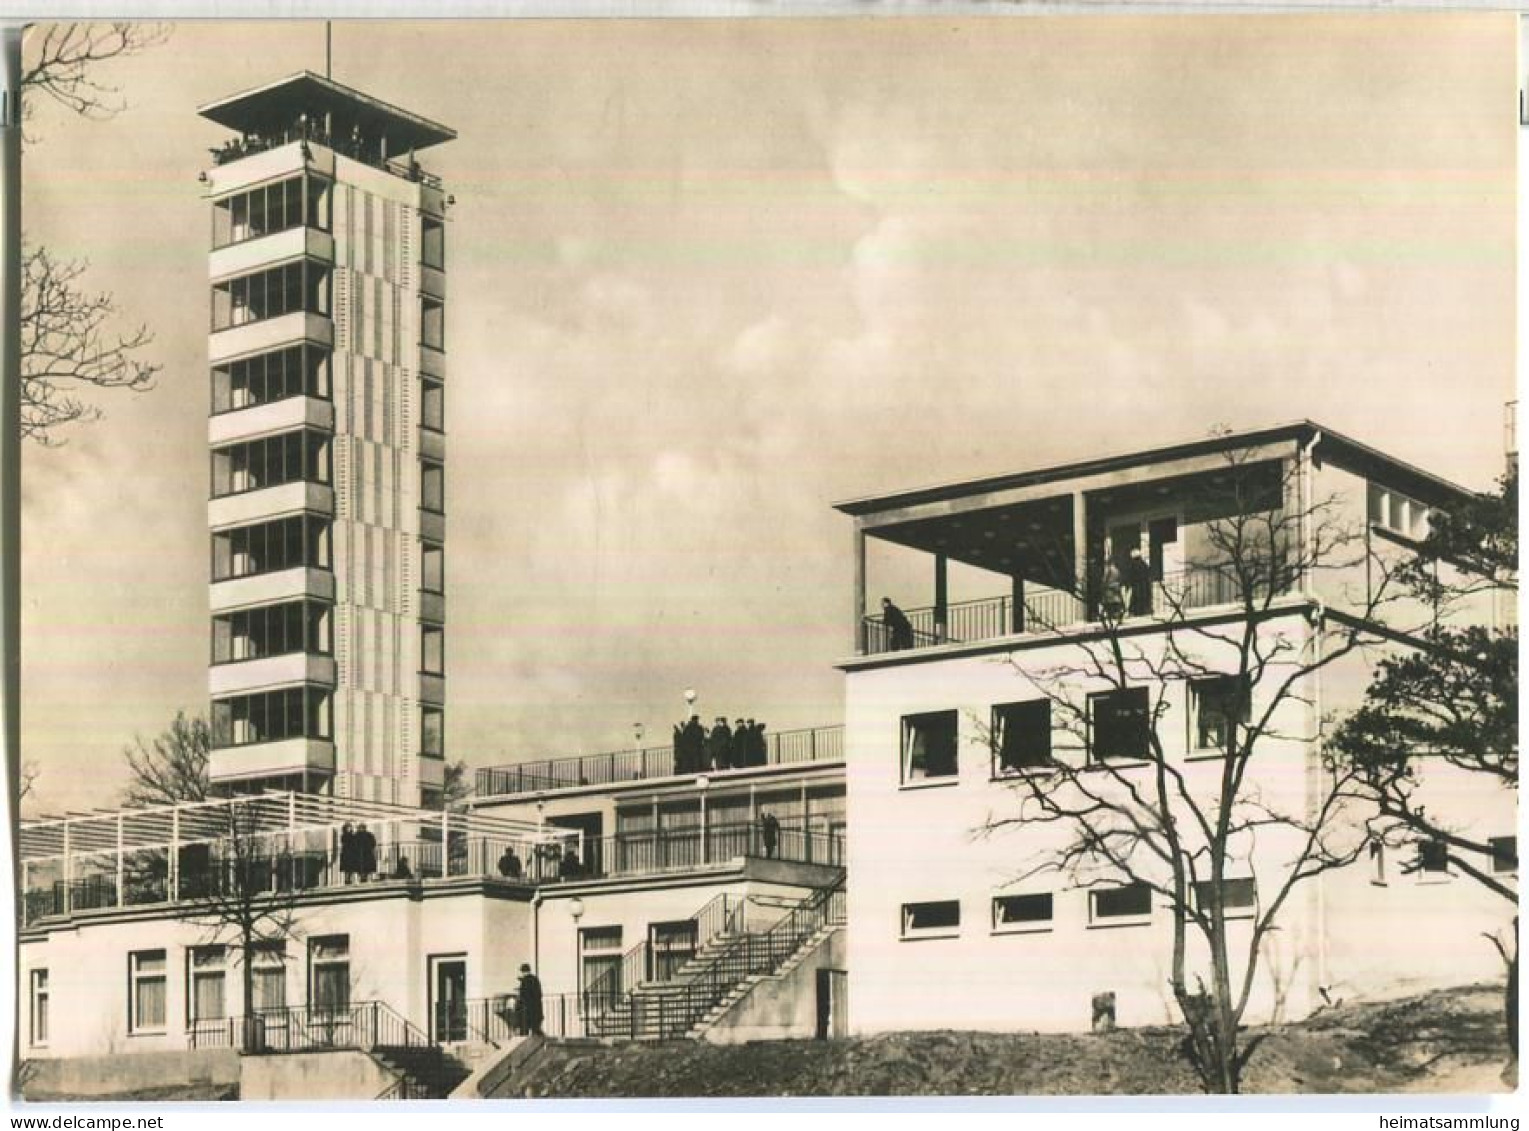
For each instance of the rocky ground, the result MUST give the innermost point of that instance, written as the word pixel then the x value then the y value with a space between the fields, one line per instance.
pixel 1451 1040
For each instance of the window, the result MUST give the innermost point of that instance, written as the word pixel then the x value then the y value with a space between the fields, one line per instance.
pixel 287 289
pixel 1393 511
pixel 1131 903
pixel 432 406
pixel 272 207
pixel 432 737
pixel 941 918
pixel 266 547
pixel 1217 705
pixel 272 630
pixel 600 969
pixel 671 945
pixel 298 371
pixel 432 322
pixel 1377 862
pixel 329 973
pixel 39 1030
pixel 929 745
pixel 1021 736
pixel 269 977
pixel 432 250
pixel 432 486
pixel 1433 859
pixel 1239 897
pixel 432 657
pixel 432 576
pixel 1504 853
pixel 1120 725
pixel 271 716
pixel 146 991
pixel 205 1000
pixel 1022 912
pixel 288 457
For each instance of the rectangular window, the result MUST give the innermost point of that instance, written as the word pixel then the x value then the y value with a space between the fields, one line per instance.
pixel 432 649
pixel 1391 510
pixel 1022 912
pixel 146 991
pixel 1504 853
pixel 432 577
pixel 432 322
pixel 39 1029
pixel 672 945
pixel 288 457
pixel 329 973
pixel 432 405
pixel 1021 736
pixel 1120 726
pixel 1239 897
pixel 940 918
pixel 432 486
pixel 302 285
pixel 271 630
pixel 269 970
pixel 1433 859
pixel 271 716
pixel 207 970
pixel 268 547
pixel 929 745
pixel 297 371
pixel 432 739
pixel 1131 903
pixel 273 207
pixel 600 967
pixel 1217 706
pixel 432 249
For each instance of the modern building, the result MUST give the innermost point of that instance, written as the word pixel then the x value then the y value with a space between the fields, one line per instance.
pixel 327 434
pixel 957 715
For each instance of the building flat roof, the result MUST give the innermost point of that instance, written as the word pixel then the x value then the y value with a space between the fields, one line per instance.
pixel 277 104
pixel 1347 452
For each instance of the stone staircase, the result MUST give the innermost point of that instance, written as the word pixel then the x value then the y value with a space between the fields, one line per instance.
pixel 425 1072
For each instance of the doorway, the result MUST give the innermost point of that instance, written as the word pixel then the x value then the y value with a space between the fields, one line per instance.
pixel 448 998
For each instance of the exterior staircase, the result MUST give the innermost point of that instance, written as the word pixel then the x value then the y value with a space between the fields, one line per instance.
pixel 425 1072
pixel 722 973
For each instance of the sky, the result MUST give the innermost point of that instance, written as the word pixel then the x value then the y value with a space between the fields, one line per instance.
pixel 708 277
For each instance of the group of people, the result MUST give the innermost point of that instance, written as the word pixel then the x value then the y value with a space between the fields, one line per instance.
pixel 1128 591
pixel 358 853
pixel 569 866
pixel 722 748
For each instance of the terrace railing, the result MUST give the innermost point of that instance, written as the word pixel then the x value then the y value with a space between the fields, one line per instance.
pixel 791 747
pixel 361 1025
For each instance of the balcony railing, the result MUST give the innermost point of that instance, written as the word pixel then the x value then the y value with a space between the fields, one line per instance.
pixel 990 618
pixel 360 1025
pixel 817 744
pixel 251 144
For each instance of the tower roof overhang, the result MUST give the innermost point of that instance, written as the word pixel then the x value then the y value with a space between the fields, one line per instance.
pixel 276 104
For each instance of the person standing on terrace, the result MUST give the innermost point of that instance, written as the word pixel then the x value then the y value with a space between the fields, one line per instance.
pixel 899 627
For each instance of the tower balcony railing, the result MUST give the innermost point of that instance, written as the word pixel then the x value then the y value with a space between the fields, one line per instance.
pixel 789 747
pixel 357 149
pixel 991 618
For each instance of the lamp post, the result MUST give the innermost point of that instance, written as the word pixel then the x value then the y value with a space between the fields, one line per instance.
pixel 576 912
pixel 689 703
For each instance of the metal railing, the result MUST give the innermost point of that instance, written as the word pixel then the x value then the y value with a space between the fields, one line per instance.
pixel 361 1025
pixel 989 618
pixel 813 744
pixel 250 144
pixel 678 850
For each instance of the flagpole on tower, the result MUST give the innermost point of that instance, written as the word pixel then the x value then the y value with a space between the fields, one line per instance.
pixel 328 49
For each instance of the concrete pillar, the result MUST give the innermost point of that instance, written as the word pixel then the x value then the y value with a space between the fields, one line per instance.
pixel 859 609
pixel 941 596
pixel 1017 596
pixel 1080 546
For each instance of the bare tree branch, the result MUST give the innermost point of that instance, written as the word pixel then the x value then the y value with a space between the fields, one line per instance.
pixel 62 60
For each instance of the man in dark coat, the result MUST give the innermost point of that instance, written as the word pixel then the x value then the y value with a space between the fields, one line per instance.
pixel 348 861
pixel 366 852
pixel 528 1003
pixel 509 864
pixel 769 833
pixel 1139 578
pixel 679 749
pixel 695 746
pixel 719 745
pixel 899 627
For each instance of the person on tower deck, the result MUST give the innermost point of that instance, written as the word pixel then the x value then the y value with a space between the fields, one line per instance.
pixel 569 868
pixel 1111 597
pixel 366 853
pixel 899 627
pixel 349 863
pixel 679 749
pixel 509 864
pixel 743 745
pixel 1139 578
pixel 719 745
pixel 695 745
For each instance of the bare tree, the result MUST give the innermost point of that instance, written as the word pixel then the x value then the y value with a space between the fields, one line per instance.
pixel 170 767
pixel 1128 809
pixel 67 345
pixel 456 785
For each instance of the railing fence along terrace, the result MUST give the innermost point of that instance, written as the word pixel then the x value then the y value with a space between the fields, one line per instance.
pixel 791 747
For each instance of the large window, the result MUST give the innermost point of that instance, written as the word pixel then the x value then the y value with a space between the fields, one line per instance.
pixel 432 405
pixel 207 972
pixel 1023 912
pixel 271 716
pixel 273 630
pixel 269 974
pixel 1393 511
pixel 299 286
pixel 432 251
pixel 286 543
pixel 1217 706
pixel 39 1028
pixel 1120 727
pixel 671 945
pixel 929 745
pixel 432 655
pixel 329 973
pixel 600 963
pixel 1239 896
pixel 146 991
pixel 941 917
pixel 432 322
pixel 432 738
pixel 288 457
pixel 1432 860
pixel 432 486
pixel 297 371
pixel 273 207
pixel 1120 905
pixel 1021 736
pixel 432 568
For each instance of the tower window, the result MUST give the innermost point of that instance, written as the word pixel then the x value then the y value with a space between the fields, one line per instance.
pixel 298 371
